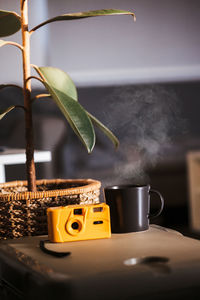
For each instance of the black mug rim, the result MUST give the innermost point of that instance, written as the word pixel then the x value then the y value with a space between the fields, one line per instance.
pixel 126 186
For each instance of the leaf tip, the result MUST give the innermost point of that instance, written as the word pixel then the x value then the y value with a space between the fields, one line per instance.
pixel 117 143
pixel 90 149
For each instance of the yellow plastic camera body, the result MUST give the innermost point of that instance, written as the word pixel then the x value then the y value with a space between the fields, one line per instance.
pixel 78 222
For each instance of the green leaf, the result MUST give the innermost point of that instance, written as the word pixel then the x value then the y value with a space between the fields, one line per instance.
pixel 7 110
pixel 63 91
pixel 60 80
pixel 107 131
pixel 10 23
pixel 87 14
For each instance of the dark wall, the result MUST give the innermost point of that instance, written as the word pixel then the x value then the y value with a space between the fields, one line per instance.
pixel 156 124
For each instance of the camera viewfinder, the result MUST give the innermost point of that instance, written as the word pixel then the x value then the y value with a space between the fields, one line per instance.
pixel 98 209
pixel 78 211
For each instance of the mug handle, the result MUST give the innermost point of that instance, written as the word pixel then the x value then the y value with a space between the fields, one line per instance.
pixel 156 214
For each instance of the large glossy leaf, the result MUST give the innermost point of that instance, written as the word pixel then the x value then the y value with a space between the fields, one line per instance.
pixel 60 80
pixel 5 111
pixel 87 14
pixel 10 23
pixel 60 87
pixel 105 129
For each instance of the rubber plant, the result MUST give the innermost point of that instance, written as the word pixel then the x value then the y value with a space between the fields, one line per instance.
pixel 59 85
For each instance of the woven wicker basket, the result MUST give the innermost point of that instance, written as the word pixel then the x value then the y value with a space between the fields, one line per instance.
pixel 23 213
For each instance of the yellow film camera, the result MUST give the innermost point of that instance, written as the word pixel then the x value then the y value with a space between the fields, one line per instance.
pixel 78 222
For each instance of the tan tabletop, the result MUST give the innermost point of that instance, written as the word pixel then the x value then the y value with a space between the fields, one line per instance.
pixel 157 263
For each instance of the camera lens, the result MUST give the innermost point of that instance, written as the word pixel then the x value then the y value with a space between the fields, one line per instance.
pixel 75 225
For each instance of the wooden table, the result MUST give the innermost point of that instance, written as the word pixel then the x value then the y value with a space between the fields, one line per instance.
pixel 155 264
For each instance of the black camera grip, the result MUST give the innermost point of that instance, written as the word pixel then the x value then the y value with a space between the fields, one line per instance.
pixel 51 252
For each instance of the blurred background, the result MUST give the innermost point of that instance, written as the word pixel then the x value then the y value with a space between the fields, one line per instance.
pixel 140 79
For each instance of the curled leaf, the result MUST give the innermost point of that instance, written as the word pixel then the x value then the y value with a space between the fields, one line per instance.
pixel 87 14
pixel 10 23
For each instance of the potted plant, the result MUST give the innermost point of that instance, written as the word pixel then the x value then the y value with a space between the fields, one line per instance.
pixel 23 204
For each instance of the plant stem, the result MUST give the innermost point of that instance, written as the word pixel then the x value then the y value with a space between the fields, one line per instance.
pixel 30 165
pixel 14 44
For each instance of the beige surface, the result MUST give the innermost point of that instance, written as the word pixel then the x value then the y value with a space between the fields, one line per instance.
pixel 98 267
pixel 193 166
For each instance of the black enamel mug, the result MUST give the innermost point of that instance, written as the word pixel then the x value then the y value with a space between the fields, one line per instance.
pixel 130 207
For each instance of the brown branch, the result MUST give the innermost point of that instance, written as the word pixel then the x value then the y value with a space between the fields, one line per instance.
pixel 34 77
pixel 14 44
pixel 20 106
pixel 30 165
pixel 41 96
pixel 22 4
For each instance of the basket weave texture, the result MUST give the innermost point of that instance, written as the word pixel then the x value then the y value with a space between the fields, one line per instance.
pixel 23 213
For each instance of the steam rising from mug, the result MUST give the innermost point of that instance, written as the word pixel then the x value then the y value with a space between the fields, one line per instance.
pixel 145 119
